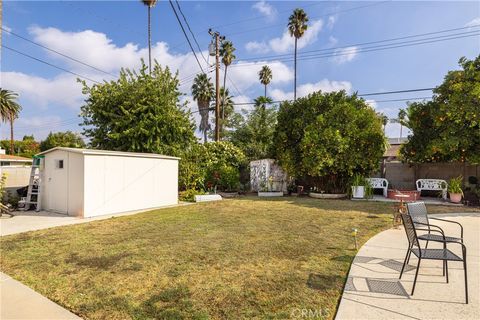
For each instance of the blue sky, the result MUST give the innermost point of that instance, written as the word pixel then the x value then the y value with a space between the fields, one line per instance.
pixel 112 34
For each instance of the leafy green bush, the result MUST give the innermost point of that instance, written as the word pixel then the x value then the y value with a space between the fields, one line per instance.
pixel 211 165
pixel 324 138
pixel 189 195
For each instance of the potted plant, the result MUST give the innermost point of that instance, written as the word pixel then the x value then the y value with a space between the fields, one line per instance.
pixel 455 189
pixel 361 188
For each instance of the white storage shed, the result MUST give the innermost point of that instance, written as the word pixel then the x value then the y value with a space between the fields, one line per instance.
pixel 88 183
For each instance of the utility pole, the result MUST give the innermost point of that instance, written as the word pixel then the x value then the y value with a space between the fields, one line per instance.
pixel 216 39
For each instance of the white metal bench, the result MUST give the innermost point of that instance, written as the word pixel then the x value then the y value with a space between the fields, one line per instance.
pixel 379 183
pixel 433 185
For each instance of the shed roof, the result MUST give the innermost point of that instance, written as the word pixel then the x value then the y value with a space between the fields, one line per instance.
pixel 109 153
pixel 12 158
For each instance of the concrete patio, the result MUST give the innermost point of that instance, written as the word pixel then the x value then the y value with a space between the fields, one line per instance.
pixel 373 290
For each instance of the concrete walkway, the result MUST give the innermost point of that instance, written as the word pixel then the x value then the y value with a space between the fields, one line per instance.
pixel 18 301
pixel 24 221
pixel 373 290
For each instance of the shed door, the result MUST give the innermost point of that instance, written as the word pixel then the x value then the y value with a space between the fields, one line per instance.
pixel 57 184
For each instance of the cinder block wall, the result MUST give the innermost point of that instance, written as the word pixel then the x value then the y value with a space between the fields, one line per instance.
pixel 402 176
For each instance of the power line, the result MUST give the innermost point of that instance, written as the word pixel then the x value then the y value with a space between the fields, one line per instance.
pixel 364 43
pixel 57 52
pixel 367 49
pixel 185 34
pixel 189 29
pixel 49 64
pixel 394 92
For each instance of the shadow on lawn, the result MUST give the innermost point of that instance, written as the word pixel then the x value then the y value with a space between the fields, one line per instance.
pixel 371 208
pixel 97 262
pixel 324 282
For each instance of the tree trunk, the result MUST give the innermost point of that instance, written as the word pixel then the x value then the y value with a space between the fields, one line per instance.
pixel 12 145
pixel 205 136
pixel 265 91
pixel 295 74
pixel 149 44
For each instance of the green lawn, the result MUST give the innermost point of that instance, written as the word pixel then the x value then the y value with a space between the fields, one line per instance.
pixel 234 259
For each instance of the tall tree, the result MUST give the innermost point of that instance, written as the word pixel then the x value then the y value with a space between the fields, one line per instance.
pixel 203 91
pixel 150 4
pixel 227 53
pixel 447 129
pixel 297 25
pixel 138 112
pixel 9 111
pixel 255 130
pixel 317 148
pixel 227 107
pixel 62 139
pixel 265 76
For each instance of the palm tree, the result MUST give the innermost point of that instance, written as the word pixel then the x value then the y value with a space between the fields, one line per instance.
pixel 227 53
pixel 150 4
pixel 297 25
pixel 203 91
pixel 9 110
pixel 384 120
pixel 226 103
pixel 265 76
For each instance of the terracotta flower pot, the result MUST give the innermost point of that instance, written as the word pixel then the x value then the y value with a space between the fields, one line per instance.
pixel 455 197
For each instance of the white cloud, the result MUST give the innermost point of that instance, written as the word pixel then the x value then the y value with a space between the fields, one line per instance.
pixel 345 55
pixel 265 9
pixel 331 22
pixel 63 89
pixel 8 29
pixel 371 103
pixel 332 41
pixel 286 42
pixel 246 75
pixel 257 47
pixel 474 22
pixel 303 90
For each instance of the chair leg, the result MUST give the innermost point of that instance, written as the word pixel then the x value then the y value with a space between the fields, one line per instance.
pixel 426 245
pixel 443 269
pixel 404 262
pixel 416 275
pixel 466 283
pixel 446 268
pixel 409 254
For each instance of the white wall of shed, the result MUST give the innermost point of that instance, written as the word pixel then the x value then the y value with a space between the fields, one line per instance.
pixel 115 184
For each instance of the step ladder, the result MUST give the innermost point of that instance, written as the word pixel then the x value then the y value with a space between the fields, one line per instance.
pixel 34 189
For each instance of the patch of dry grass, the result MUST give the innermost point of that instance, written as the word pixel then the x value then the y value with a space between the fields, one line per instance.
pixel 235 259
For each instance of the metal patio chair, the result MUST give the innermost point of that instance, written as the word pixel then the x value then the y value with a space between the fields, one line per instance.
pixel 419 214
pixel 443 254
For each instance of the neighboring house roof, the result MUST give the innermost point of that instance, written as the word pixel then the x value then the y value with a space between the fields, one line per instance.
pixel 393 150
pixel 393 141
pixel 11 158
pixel 109 153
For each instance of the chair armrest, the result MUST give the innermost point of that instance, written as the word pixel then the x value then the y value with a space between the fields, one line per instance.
pixel 430 226
pixel 432 230
pixel 461 227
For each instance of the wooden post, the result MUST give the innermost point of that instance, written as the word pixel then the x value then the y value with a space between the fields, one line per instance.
pixel 217 88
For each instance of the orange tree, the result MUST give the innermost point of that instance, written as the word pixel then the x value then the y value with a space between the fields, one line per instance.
pixel 448 127
pixel 325 138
